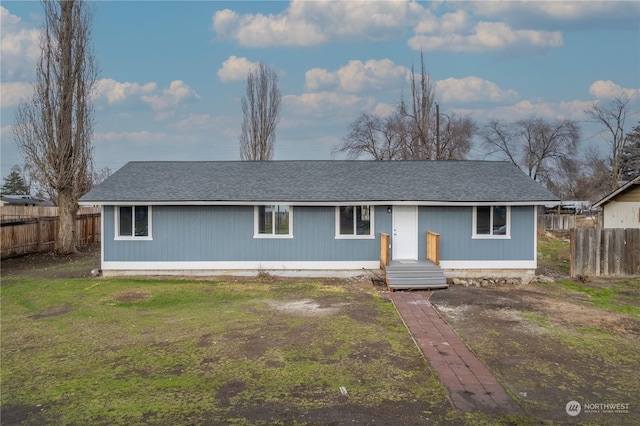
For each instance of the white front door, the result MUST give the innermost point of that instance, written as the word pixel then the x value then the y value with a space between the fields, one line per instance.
pixel 405 233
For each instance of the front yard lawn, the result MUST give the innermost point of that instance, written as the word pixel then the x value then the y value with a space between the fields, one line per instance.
pixel 184 351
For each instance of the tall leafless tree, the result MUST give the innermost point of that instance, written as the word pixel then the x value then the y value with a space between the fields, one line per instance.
pixel 53 129
pixel 261 112
pixel 421 115
pixel 537 146
pixel 411 131
pixel 612 117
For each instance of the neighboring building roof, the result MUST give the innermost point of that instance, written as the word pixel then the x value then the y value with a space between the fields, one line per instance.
pixel 437 182
pixel 21 199
pixel 624 188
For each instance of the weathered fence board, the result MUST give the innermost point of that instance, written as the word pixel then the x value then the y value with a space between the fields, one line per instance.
pixel 605 252
pixel 32 235
pixel 17 213
pixel 556 222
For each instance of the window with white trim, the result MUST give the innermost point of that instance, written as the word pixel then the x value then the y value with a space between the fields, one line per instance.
pixel 133 222
pixel 492 222
pixel 273 221
pixel 354 222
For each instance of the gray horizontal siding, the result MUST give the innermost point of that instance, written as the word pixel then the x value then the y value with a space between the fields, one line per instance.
pixel 225 233
pixel 454 224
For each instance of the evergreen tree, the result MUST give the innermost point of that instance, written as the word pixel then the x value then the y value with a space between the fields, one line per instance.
pixel 14 183
pixel 630 161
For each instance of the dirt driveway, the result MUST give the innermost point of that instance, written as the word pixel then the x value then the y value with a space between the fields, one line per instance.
pixel 549 344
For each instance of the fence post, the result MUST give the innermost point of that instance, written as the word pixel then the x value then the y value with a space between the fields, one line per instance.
pixel 38 235
pixel 572 252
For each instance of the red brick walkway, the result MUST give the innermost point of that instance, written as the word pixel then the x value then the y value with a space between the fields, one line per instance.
pixel 471 385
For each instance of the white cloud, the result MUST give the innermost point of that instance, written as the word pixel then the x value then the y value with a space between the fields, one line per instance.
pixel 358 76
pixel 143 137
pixel 177 93
pixel 572 110
pixel 560 14
pixel 12 93
pixel 608 90
pixel 309 23
pixel 19 47
pixel 235 69
pixel 116 92
pixel 195 121
pixel 325 103
pixel 6 131
pixel 494 37
pixel 472 89
pixel 384 109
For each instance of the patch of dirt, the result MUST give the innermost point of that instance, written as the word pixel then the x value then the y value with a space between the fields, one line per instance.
pixel 227 391
pixel 548 345
pixel 52 312
pixel 25 414
pixel 306 307
pixel 131 296
pixel 50 265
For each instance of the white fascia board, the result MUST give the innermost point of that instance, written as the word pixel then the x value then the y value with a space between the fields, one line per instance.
pixel 312 203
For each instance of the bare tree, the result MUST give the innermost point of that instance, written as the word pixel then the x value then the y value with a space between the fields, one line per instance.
pixel 612 117
pixel 100 176
pixel 535 145
pixel 375 137
pixel 54 128
pixel 582 179
pixel 500 138
pixel 420 113
pixel 453 141
pixel 547 144
pixel 261 112
pixel 412 131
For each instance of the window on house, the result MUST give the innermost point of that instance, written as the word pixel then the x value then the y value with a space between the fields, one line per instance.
pixel 274 221
pixel 354 222
pixel 491 221
pixel 133 222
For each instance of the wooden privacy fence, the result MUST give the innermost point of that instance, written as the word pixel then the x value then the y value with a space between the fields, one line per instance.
pixel 31 235
pixel 18 213
pixel 556 222
pixel 605 252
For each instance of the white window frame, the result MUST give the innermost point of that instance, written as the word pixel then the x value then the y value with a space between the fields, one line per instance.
pixel 507 234
pixel 116 231
pixel 256 222
pixel 372 233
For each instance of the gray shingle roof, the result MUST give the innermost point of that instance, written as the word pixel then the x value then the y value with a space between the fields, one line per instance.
pixel 318 181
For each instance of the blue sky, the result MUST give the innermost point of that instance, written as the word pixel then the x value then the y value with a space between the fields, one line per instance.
pixel 173 73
